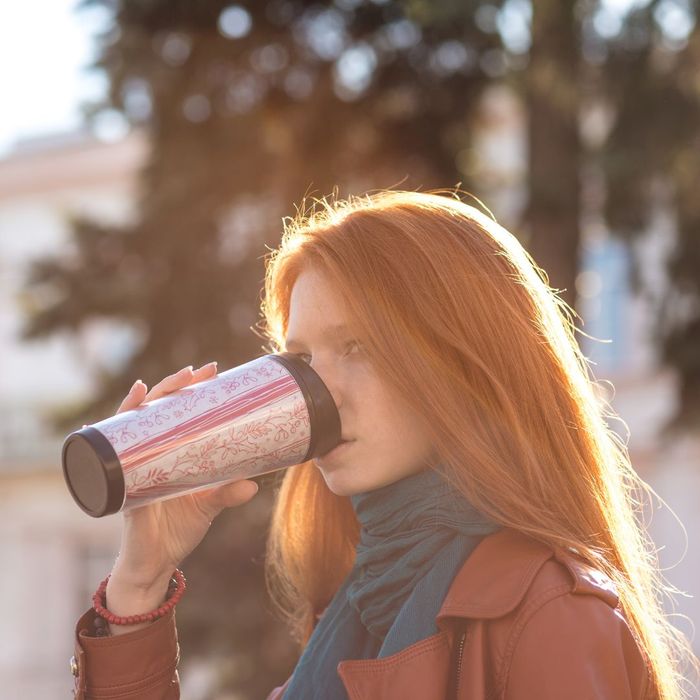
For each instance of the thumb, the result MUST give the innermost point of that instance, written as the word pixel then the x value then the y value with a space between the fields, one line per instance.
pixel 214 500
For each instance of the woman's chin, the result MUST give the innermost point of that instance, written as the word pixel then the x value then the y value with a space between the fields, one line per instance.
pixel 338 482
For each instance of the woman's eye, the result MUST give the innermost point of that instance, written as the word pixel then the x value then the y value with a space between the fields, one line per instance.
pixel 348 350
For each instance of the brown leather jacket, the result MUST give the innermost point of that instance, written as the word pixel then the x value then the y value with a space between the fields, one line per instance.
pixel 520 621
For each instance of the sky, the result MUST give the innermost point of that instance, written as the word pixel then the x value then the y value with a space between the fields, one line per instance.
pixel 45 46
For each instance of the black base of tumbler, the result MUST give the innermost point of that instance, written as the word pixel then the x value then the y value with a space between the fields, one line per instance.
pixel 93 472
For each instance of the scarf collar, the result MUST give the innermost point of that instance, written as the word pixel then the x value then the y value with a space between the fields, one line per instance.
pixel 404 526
pixel 415 535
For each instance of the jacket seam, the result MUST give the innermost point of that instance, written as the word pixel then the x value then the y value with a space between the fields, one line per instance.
pixel 519 625
pixel 522 619
pixel 438 639
pixel 155 629
pixel 115 691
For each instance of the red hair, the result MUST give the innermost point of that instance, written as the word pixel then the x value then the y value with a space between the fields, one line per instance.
pixel 445 299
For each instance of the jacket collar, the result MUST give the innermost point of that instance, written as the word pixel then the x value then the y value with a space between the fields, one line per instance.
pixel 491 583
pixel 495 576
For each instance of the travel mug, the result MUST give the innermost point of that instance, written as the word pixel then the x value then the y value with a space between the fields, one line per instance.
pixel 267 414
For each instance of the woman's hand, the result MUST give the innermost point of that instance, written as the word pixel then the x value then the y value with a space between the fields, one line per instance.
pixel 158 536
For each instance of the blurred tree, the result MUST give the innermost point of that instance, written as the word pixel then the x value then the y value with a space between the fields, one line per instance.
pixel 651 158
pixel 635 70
pixel 246 107
pixel 250 106
pixel 551 88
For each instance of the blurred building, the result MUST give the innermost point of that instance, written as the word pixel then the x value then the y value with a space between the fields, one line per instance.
pixel 55 555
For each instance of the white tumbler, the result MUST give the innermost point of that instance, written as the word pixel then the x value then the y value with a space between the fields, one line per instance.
pixel 268 414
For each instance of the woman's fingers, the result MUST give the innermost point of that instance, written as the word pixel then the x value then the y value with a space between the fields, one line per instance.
pixel 212 501
pixel 139 392
pixel 134 398
pixel 171 383
pixel 204 372
pixel 184 377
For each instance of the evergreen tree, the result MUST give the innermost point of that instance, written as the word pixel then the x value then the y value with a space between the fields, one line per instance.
pixel 650 85
pixel 551 91
pixel 248 108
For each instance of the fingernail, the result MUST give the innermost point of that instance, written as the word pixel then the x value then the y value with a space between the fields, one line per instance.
pixel 211 364
pixel 184 369
pixel 136 383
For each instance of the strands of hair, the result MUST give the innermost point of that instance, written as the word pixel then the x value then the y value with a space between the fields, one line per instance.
pixel 445 298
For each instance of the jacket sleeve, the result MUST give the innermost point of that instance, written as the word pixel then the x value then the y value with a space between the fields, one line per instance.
pixel 576 647
pixel 140 665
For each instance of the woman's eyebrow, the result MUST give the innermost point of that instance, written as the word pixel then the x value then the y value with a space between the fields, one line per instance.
pixel 328 331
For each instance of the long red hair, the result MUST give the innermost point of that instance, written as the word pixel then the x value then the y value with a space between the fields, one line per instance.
pixel 458 318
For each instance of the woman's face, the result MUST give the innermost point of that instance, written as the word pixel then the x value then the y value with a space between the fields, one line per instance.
pixel 386 442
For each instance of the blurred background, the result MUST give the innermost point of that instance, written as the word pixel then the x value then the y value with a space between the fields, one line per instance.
pixel 148 152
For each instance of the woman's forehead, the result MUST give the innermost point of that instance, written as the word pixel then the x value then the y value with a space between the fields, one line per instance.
pixel 315 300
pixel 318 312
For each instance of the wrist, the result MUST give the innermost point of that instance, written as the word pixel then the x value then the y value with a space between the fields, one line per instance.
pixel 137 583
pixel 128 607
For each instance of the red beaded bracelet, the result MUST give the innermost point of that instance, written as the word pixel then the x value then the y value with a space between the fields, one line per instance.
pixel 99 602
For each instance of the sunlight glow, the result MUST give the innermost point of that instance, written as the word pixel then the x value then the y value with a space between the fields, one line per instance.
pixel 44 50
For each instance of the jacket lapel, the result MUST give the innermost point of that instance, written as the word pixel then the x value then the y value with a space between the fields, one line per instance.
pixel 495 577
pixel 491 583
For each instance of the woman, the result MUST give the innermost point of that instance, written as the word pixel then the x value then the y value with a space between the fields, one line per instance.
pixel 477 535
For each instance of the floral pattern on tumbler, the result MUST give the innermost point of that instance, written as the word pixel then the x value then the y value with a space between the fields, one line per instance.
pixel 245 421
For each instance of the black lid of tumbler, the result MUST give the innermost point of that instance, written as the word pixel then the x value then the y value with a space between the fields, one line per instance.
pixel 93 472
pixel 323 413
